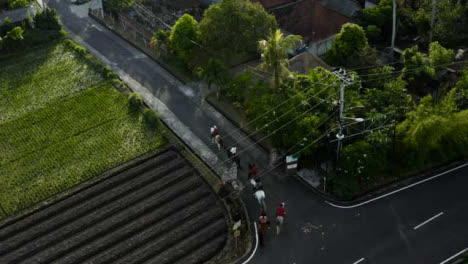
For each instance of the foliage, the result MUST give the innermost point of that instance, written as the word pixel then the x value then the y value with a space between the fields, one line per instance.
pixel 235 26
pixel 13 39
pixel 214 72
pixel 235 91
pixel 183 34
pixel 462 90
pixel 417 64
pixel 373 33
pixel 348 45
pixel 160 39
pixel 440 55
pixel 47 19
pixel 7 26
pixel 151 119
pixel 390 97
pixel 359 163
pixel 19 4
pixel 425 135
pixel 13 4
pixel 293 124
pixel 74 126
pixel 135 101
pixel 450 21
pixel 377 20
pixel 274 55
pixel 16 34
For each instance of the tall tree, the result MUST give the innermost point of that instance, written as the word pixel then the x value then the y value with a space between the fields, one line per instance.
pixel 235 26
pixel 183 35
pixel 348 45
pixel 274 55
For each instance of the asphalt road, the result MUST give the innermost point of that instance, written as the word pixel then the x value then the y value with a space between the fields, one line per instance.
pixel 379 232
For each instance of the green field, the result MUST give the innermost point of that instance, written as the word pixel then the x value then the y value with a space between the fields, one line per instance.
pixel 61 123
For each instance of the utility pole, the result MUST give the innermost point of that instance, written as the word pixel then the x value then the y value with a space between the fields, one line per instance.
pixel 432 20
pixel 393 29
pixel 345 80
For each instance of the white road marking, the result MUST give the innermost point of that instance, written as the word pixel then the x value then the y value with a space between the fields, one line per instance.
pixel 395 191
pixel 359 261
pixel 428 220
pixel 454 256
pixel 256 245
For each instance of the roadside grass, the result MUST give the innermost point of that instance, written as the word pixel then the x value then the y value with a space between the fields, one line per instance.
pixel 63 124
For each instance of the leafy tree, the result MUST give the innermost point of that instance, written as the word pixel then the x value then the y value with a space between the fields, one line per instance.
pixel 160 40
pixel 440 55
pixel 417 64
pixel 7 26
pixel 378 19
pixel 183 35
pixel 214 72
pixel 274 55
pixel 235 26
pixel 305 103
pixel 359 163
pixel 373 33
pixel 47 19
pixel 19 4
pixel 450 21
pixel 462 90
pixel 349 44
pixel 16 34
pixel 391 97
pixel 422 133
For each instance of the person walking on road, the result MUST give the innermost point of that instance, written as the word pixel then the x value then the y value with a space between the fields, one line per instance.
pixel 260 196
pixel 263 226
pixel 214 132
pixel 219 142
pixel 253 170
pixel 234 157
pixel 280 217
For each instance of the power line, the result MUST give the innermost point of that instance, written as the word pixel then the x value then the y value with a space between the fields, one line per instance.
pixel 277 118
pixel 255 143
pixel 277 106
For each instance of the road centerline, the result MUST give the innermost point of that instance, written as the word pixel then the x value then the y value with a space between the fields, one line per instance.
pixel 359 261
pixel 428 220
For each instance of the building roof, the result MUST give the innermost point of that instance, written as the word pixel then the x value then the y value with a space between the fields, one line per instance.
pixel 159 211
pixel 310 19
pixel 267 4
pixel 303 62
pixel 348 8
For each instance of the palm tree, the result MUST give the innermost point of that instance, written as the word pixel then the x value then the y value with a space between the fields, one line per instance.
pixel 274 54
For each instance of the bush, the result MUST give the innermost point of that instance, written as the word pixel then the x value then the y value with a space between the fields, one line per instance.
pixel 47 19
pixel 19 4
pixel 135 101
pixel 151 119
pixel 373 33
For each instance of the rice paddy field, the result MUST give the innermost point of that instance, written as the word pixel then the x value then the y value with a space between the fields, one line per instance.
pixel 61 123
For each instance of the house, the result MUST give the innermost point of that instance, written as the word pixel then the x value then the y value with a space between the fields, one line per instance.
pixel 317 21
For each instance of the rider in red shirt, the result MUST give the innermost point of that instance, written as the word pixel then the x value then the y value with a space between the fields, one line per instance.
pixel 281 210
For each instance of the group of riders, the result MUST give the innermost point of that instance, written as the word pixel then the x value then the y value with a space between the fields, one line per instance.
pixel 259 194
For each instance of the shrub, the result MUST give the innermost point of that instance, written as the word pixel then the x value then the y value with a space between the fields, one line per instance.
pixel 151 119
pixel 47 19
pixel 19 4
pixel 135 101
pixel 373 33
